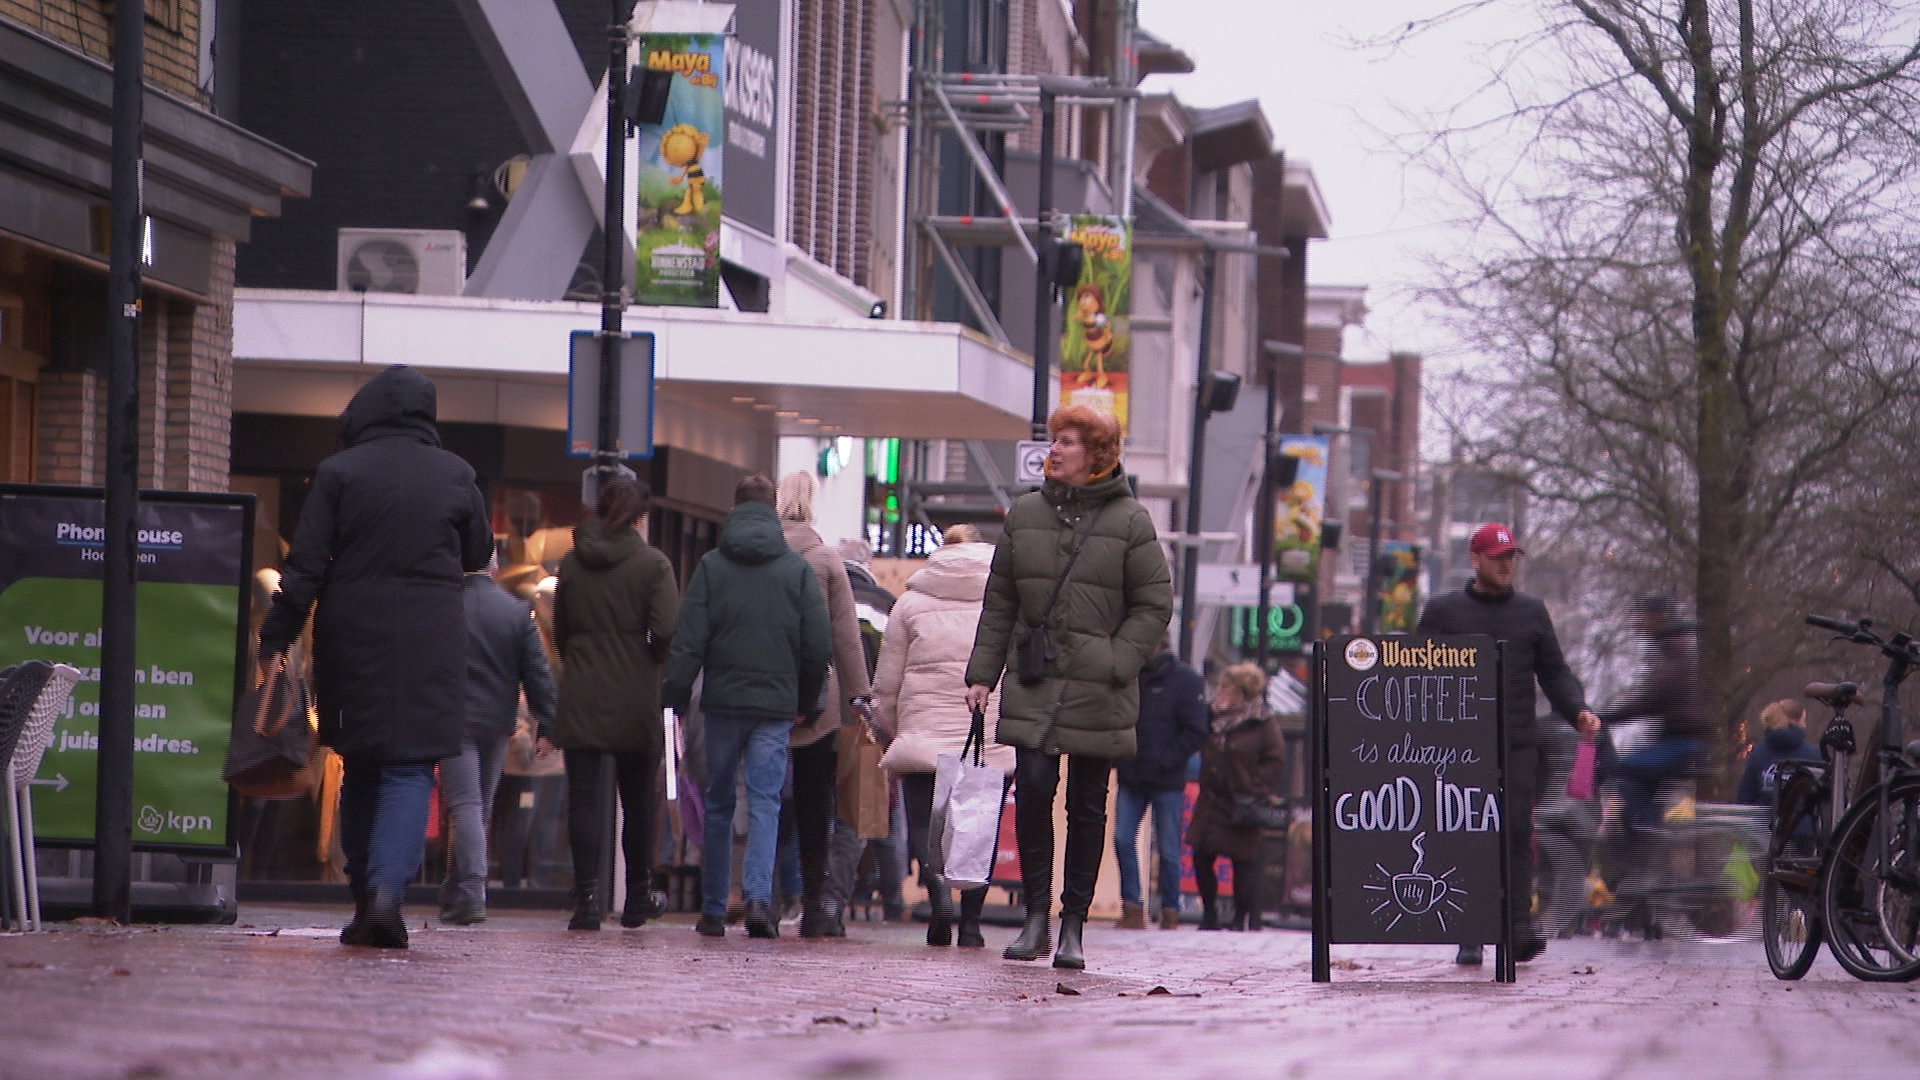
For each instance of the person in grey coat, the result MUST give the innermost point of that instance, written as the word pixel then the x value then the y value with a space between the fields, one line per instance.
pixel 504 658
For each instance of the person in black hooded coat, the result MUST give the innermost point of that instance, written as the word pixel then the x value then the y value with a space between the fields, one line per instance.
pixel 389 529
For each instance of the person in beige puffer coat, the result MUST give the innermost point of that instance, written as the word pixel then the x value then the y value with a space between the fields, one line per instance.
pixel 921 704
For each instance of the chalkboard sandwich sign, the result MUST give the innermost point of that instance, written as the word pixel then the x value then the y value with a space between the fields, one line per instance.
pixel 1410 821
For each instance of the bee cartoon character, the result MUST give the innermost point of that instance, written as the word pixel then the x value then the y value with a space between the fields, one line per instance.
pixel 1091 309
pixel 681 148
pixel 1299 515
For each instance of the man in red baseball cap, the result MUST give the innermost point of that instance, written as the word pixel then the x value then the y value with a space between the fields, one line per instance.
pixel 1490 605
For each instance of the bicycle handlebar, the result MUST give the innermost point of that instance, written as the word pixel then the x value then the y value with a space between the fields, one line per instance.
pixel 1834 625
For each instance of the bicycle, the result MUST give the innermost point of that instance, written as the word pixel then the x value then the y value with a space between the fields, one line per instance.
pixel 1808 798
pixel 1869 882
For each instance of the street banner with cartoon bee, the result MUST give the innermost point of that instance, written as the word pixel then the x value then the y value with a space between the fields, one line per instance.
pixel 1298 508
pixel 1094 339
pixel 678 184
pixel 1396 585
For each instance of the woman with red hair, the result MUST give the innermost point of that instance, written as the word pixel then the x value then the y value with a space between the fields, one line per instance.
pixel 1077 599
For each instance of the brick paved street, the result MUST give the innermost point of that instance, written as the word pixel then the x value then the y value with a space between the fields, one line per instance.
pixel 520 996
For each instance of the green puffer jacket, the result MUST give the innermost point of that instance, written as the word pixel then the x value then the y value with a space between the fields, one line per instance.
pixel 1111 616
pixel 755 621
pixel 613 617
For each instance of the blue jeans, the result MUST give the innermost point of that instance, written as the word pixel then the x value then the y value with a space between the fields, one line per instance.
pixel 757 749
pixel 383 822
pixel 1130 804
pixel 467 783
pixel 1640 774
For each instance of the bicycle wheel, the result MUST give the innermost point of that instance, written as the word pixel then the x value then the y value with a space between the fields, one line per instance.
pixel 1870 905
pixel 1790 928
pixel 1710 898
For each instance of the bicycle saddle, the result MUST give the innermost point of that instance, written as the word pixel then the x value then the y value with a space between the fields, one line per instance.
pixel 1837 695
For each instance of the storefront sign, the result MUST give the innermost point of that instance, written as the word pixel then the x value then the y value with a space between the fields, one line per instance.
pixel 191 599
pixel 1094 336
pixel 1299 507
pixel 681 175
pixel 1411 818
pixel 754 113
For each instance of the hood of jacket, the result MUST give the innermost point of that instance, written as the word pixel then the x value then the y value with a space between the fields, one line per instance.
pixel 752 535
pixel 600 548
pixel 398 401
pixel 955 572
pixel 801 538
pixel 1782 739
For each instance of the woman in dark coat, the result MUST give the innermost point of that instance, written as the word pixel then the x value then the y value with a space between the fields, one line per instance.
pixel 1113 607
pixel 1243 756
pixel 612 625
pixel 390 528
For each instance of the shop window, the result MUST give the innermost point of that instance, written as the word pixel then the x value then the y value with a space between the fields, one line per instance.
pixel 19 373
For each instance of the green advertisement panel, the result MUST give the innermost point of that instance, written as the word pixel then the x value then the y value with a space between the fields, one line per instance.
pixel 676 248
pixel 190 611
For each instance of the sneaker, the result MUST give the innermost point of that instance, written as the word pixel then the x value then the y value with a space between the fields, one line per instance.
pixel 710 926
pixel 760 920
pixel 1529 948
pixel 1469 955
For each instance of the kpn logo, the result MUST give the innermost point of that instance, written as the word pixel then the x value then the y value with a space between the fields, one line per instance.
pixel 156 821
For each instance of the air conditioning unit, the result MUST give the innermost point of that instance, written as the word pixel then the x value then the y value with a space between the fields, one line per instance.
pixel 429 262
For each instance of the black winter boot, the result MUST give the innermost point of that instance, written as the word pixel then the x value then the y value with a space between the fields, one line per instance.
pixel 940 915
pixel 1210 914
pixel 385 925
pixel 1036 937
pixel 355 932
pixel 971 901
pixel 1068 955
pixel 586 909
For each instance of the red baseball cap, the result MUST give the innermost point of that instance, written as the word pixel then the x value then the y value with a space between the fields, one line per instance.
pixel 1493 539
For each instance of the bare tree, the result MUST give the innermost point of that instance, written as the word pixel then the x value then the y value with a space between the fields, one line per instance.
pixel 1697 297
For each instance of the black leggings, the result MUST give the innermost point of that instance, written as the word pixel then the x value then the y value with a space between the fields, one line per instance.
pixel 587 815
pixel 1246 881
pixel 810 811
pixel 1036 776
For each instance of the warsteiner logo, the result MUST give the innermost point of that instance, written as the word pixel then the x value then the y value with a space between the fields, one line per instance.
pixel 1362 654
pixel 153 821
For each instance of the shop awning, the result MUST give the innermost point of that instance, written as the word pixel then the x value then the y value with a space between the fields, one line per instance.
pixel 303 353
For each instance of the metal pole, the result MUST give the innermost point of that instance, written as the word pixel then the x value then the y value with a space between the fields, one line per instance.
pixel 1196 462
pixel 1263 513
pixel 1042 274
pixel 113 798
pixel 613 304
pixel 1370 605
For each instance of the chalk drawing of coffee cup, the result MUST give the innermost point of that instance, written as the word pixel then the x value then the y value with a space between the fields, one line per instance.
pixel 1418 893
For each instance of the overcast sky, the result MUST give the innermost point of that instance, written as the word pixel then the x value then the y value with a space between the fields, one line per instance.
pixel 1336 106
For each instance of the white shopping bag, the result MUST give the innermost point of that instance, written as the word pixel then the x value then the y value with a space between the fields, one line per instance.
pixel 967 798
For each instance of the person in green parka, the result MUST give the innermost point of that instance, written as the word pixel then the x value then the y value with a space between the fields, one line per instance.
pixel 613 619
pixel 1114 602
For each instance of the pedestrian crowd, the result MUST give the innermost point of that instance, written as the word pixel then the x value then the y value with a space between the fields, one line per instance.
pixel 809 712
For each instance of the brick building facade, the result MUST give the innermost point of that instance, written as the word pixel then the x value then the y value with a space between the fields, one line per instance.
pixel 206 182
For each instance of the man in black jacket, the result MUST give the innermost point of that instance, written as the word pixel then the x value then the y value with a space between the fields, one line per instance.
pixel 755 624
pixel 1491 605
pixel 388 530
pixel 504 656
pixel 1173 726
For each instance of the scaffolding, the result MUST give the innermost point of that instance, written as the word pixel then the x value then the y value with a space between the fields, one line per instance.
pixel 976 108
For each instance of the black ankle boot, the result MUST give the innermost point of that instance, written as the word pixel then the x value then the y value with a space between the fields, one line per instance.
pixel 642 907
pixel 940 914
pixel 355 932
pixel 385 925
pixel 1068 955
pixel 969 936
pixel 1209 914
pixel 1036 937
pixel 586 909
